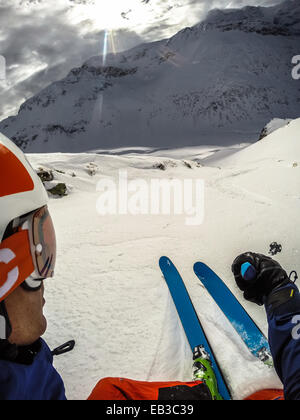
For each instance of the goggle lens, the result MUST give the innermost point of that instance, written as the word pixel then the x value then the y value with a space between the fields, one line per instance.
pixel 44 241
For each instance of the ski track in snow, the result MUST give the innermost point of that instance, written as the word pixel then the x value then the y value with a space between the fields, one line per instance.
pixel 108 292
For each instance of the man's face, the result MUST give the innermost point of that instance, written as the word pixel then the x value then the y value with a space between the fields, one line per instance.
pixel 25 312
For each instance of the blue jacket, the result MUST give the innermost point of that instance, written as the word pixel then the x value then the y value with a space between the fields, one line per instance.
pixel 36 381
pixel 283 311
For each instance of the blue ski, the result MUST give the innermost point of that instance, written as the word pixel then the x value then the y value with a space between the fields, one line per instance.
pixel 190 321
pixel 252 336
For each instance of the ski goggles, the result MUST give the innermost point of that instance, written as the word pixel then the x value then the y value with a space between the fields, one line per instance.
pixel 28 256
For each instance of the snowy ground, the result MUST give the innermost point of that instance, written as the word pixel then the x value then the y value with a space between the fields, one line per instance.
pixel 108 292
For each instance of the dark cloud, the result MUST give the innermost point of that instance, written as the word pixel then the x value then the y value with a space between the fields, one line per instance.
pixel 42 48
pixel 41 44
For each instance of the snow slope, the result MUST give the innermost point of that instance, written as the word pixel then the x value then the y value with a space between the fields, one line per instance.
pixel 218 82
pixel 108 292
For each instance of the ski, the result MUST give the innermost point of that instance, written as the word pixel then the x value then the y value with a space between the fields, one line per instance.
pixel 242 322
pixel 205 363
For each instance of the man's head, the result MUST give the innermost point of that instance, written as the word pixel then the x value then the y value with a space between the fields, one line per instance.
pixel 27 247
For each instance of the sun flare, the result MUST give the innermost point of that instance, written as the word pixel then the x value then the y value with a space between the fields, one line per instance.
pixel 113 14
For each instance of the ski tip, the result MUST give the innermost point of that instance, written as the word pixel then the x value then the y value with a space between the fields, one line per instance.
pixel 198 265
pixel 163 261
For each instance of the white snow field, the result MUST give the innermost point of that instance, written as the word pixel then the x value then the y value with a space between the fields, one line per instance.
pixel 108 292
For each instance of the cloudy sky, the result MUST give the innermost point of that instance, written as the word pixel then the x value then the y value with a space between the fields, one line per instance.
pixel 42 40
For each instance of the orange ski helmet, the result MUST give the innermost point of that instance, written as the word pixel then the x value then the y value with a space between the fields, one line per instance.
pixel 27 236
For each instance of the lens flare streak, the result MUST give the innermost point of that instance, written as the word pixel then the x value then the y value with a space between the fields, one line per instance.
pixel 105 47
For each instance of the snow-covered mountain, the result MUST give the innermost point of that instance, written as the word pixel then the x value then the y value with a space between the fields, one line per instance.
pixel 219 82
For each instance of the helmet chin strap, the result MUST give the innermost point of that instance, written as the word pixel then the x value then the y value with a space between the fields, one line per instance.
pixel 8 351
pixel 5 326
pixel 2 328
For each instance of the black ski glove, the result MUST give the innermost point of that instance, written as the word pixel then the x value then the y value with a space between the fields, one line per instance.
pixel 269 276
